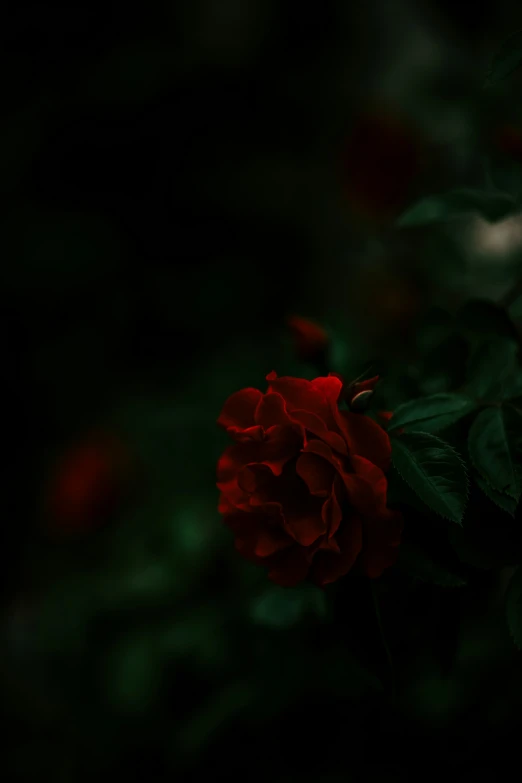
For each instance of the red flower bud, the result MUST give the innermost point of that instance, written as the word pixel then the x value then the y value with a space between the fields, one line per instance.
pixel 360 401
pixel 311 340
pixel 357 388
pixel 382 159
pixel 88 484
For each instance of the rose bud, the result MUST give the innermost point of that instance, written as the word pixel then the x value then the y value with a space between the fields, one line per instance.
pixel 358 393
pixel 311 340
pixel 361 400
pixel 88 484
pixel 304 487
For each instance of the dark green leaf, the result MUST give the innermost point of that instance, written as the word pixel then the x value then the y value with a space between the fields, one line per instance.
pixel 493 445
pixel 506 60
pixel 133 673
pixel 492 367
pixel 400 493
pixel 513 385
pixel 515 308
pixel 503 501
pixel 456 203
pixel 514 607
pixel 421 565
pixel 434 470
pixel 433 413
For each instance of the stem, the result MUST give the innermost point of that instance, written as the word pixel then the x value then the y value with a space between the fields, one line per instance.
pixel 383 640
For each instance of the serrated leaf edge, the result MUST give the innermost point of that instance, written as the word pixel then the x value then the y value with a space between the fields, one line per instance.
pixel 393 426
pixel 517 470
pixel 467 485
pixel 494 489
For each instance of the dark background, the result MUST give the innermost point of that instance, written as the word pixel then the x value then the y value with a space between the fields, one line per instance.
pixel 176 179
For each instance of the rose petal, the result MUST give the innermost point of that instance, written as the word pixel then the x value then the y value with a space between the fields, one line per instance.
pixel 238 411
pixel 279 446
pixel 243 436
pixel 300 394
pixel 253 477
pixel 330 387
pixel 323 450
pixel 271 410
pixel 330 566
pixel 331 511
pixel 304 528
pixel 225 506
pixel 316 473
pixel 257 535
pixel 330 545
pixel 317 427
pixel 367 487
pixel 366 438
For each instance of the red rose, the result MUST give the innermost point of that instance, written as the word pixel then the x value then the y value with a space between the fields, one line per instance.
pixel 304 486
pixel 88 484
pixel 311 340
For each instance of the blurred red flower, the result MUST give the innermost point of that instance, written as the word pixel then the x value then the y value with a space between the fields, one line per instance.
pixel 508 140
pixel 304 488
pixel 381 160
pixel 311 340
pixel 88 484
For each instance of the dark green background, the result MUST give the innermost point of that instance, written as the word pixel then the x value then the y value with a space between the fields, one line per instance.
pixel 172 188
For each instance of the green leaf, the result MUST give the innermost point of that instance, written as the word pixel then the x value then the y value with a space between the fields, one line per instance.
pixel 133 673
pixel 494 443
pixel 503 501
pixel 456 203
pixel 434 470
pixel 515 308
pixel 400 493
pixel 420 565
pixel 280 607
pixel 492 367
pixel 514 607
pixel 506 60
pixel 433 413
pixel 513 385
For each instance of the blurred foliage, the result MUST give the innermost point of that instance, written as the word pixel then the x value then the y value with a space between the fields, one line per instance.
pixel 177 179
